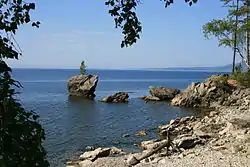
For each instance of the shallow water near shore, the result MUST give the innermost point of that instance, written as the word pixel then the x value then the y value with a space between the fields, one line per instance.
pixel 72 125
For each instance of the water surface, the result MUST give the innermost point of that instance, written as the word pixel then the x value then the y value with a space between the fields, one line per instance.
pixel 71 126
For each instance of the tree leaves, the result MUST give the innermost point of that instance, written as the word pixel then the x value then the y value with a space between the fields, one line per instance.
pixel 223 29
pixel 21 135
pixel 125 17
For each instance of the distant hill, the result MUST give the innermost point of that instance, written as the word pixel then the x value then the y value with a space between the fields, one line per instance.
pixel 226 68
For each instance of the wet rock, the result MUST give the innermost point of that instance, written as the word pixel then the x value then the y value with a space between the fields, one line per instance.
pixel 120 97
pixel 172 122
pixel 90 148
pixel 141 133
pixel 125 135
pixel 150 98
pixel 115 151
pixel 163 93
pixel 82 86
pixel 73 163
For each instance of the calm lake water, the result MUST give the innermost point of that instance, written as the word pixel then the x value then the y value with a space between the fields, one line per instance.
pixel 71 126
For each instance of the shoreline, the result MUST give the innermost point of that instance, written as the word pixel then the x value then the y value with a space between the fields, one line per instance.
pixel 221 138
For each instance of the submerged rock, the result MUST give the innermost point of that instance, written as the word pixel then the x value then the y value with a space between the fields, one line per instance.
pixel 141 133
pixel 120 97
pixel 82 86
pixel 89 148
pixel 163 92
pixel 150 98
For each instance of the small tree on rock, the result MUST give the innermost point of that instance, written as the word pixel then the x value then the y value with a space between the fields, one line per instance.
pixel 83 68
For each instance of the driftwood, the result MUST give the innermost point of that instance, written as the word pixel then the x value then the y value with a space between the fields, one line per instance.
pixel 167 144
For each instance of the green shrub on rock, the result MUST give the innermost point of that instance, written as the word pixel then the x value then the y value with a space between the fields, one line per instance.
pixel 83 68
pixel 242 78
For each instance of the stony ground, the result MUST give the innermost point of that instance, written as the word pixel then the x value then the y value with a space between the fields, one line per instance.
pixel 228 146
pixel 203 159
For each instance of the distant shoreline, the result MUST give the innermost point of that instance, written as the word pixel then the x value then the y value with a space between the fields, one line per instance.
pixel 205 69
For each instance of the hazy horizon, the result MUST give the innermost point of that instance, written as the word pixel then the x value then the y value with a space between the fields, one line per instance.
pixel 184 67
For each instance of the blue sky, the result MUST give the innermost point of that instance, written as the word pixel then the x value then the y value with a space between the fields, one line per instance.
pixel 77 30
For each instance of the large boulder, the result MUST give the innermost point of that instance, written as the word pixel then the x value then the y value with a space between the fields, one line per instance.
pixel 83 86
pixel 163 92
pixel 214 91
pixel 120 97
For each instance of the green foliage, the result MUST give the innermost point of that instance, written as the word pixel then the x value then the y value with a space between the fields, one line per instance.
pixel 224 29
pixel 221 81
pixel 238 68
pixel 230 31
pixel 83 68
pixel 125 17
pixel 21 135
pixel 242 78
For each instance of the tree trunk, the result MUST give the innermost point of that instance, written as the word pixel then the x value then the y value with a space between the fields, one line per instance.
pixel 135 161
pixel 247 40
pixel 247 48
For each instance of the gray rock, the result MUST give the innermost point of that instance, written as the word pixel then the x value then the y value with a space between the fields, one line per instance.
pixel 150 98
pixel 163 92
pixel 97 153
pixel 215 90
pixel 120 97
pixel 151 144
pixel 90 148
pixel 125 135
pixel 115 150
pixel 83 86
pixel 187 142
pixel 85 163
pixel 202 134
pixel 132 160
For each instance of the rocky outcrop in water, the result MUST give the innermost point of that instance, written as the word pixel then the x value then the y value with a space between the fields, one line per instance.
pixel 120 97
pixel 163 92
pixel 191 141
pixel 83 86
pixel 214 91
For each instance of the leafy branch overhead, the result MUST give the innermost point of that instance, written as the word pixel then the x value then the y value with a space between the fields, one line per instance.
pixel 125 17
pixel 13 13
